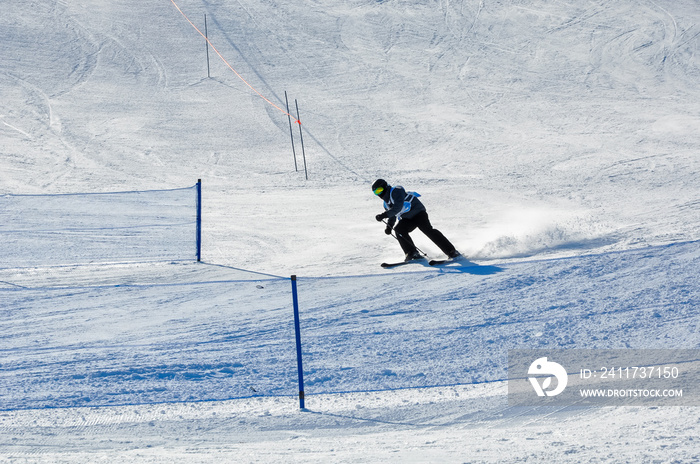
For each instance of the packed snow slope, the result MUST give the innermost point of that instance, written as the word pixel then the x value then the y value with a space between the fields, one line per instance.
pixel 556 144
pixel 527 126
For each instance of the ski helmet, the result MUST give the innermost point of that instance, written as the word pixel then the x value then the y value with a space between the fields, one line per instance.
pixel 379 187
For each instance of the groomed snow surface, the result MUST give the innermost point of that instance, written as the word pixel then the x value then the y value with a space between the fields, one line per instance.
pixel 555 144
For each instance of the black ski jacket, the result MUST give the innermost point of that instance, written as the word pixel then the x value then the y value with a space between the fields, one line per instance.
pixel 400 204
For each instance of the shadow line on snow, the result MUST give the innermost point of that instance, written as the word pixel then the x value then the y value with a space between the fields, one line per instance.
pixel 468 267
pixel 364 419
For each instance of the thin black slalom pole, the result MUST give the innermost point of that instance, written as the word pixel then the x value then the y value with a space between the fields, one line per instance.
pixel 291 135
pixel 297 332
pixel 199 219
pixel 206 35
pixel 301 135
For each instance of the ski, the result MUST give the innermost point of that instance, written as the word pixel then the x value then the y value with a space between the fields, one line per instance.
pixel 432 262
pixel 437 262
pixel 400 263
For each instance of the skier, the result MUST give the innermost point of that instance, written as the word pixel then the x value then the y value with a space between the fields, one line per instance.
pixel 406 211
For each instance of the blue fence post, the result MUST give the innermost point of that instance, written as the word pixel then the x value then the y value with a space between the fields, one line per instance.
pixel 297 331
pixel 199 219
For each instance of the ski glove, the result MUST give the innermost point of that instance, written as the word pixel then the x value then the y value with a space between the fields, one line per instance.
pixel 387 230
pixel 379 217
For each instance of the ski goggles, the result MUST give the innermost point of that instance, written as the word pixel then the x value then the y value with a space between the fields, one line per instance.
pixel 378 190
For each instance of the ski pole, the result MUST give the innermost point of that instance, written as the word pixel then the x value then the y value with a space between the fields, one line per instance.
pixel 398 240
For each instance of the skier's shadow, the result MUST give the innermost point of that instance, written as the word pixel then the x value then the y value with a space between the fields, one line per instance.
pixel 465 266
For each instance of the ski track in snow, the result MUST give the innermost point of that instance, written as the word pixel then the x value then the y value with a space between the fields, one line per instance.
pixel 556 144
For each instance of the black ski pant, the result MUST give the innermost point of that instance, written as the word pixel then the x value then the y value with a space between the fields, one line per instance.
pixel 422 222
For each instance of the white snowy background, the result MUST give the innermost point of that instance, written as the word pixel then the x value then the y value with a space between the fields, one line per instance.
pixel 556 144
